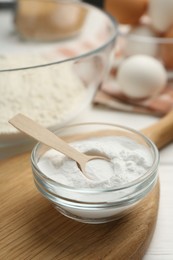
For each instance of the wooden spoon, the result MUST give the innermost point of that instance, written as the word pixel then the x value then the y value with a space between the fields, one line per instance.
pixel 43 135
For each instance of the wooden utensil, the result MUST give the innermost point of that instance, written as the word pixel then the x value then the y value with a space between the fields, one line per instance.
pixel 33 229
pixel 43 135
pixel 161 133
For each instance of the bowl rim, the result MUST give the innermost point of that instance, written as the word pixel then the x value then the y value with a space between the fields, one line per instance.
pixel 150 172
pixel 148 39
pixel 142 38
pixel 111 40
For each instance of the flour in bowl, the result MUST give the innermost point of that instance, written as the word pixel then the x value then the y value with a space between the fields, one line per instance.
pixel 46 94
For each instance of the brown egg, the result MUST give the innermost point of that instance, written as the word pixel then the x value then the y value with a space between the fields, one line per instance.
pixel 49 20
pixel 166 49
pixel 126 11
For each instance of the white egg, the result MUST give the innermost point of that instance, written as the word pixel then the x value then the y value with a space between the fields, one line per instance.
pixel 141 76
pixel 139 41
pixel 161 14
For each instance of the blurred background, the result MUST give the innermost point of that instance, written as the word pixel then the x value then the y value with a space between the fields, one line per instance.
pixel 120 59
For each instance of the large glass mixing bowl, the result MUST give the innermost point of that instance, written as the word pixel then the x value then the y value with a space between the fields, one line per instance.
pixel 53 57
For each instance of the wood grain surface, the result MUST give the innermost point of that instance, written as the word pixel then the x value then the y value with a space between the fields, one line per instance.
pixel 32 229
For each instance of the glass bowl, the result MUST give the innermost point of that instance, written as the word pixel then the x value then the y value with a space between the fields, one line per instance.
pixel 158 47
pixel 50 73
pixel 94 205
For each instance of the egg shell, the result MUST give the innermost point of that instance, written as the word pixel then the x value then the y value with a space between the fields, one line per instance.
pixel 141 76
pixel 166 50
pixel 126 11
pixel 48 20
pixel 139 41
pixel 161 14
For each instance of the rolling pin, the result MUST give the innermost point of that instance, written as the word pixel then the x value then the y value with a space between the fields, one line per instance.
pixel 161 132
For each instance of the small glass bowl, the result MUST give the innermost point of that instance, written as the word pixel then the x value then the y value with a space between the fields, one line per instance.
pixel 99 205
pixel 161 48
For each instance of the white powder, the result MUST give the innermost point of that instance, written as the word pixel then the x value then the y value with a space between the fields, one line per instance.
pixel 128 161
pixel 47 94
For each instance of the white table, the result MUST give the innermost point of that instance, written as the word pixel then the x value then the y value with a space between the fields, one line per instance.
pixel 161 247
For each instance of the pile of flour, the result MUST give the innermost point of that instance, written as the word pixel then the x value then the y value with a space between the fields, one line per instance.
pixel 128 161
pixel 46 94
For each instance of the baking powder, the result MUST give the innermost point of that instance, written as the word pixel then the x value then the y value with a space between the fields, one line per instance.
pixel 128 161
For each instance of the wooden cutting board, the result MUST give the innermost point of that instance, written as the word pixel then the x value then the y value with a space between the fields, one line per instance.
pixel 32 229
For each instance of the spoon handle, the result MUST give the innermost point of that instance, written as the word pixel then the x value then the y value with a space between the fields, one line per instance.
pixel 43 135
